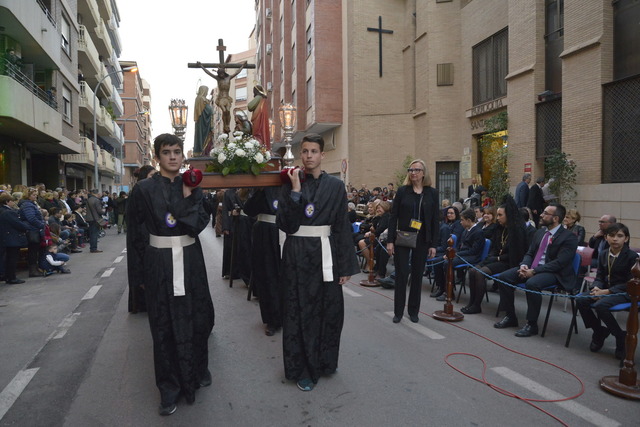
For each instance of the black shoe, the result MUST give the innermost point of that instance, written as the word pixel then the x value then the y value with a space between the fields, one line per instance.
pixel 98 251
pixel 620 352
pixel 437 293
pixel 396 319
pixel 472 309
pixel 506 322
pixel 271 330
pixel 65 271
pixel 597 339
pixel 206 380
pixel 441 297
pixel 75 251
pixel 14 282
pixel 167 410
pixel 413 318
pixel 527 330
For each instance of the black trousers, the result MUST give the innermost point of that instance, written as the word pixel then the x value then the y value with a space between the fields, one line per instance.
pixel 405 260
pixel 11 263
pixel 592 316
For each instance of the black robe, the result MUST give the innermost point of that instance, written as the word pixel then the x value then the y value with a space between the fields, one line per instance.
pixel 236 260
pixel 180 325
pixel 265 256
pixel 313 310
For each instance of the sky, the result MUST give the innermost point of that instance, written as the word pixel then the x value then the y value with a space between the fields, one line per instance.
pixel 164 37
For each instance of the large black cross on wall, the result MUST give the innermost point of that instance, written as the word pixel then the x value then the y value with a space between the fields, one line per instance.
pixel 380 30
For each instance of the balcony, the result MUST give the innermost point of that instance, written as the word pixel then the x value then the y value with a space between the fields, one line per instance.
pixel 106 163
pixel 85 103
pixel 87 53
pixel 85 157
pixel 114 33
pixel 104 6
pixel 89 11
pixel 102 40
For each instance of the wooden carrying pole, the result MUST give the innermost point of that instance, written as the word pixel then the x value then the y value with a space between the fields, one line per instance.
pixel 626 384
pixel 448 314
pixel 371 280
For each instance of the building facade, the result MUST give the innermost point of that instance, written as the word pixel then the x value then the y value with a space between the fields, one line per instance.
pixel 383 80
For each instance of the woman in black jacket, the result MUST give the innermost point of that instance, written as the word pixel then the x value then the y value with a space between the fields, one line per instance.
pixel 12 236
pixel 30 212
pixel 508 246
pixel 415 209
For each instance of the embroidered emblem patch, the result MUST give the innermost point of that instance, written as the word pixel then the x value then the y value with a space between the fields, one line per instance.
pixel 309 210
pixel 275 205
pixel 170 220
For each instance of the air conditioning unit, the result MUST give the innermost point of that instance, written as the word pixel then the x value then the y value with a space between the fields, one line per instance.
pixel 269 87
pixel 268 13
pixel 269 48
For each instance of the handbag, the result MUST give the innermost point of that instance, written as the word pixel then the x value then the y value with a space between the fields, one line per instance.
pixel 406 239
pixel 33 236
pixel 102 222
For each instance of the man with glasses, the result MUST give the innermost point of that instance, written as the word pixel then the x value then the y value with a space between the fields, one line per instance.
pixel 548 261
pixel 599 242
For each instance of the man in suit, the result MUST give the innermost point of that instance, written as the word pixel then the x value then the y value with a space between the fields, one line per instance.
pixel 470 248
pixel 472 187
pixel 598 241
pixel 522 191
pixel 548 261
pixel 536 199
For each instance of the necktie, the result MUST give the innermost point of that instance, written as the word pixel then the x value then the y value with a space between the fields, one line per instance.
pixel 543 246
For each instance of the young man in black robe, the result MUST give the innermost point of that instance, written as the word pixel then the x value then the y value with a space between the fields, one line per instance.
pixel 265 256
pixel 172 270
pixel 318 257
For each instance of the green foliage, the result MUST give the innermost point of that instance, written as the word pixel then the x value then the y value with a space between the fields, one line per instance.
pixel 495 151
pixel 238 153
pixel 402 173
pixel 562 170
pixel 109 109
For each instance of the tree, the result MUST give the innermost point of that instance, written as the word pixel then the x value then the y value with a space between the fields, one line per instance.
pixel 495 150
pixel 560 173
pixel 402 174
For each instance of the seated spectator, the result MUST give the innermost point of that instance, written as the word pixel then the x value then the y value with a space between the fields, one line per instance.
pixel 353 216
pixel 488 221
pixel 571 223
pixel 12 237
pixel 81 222
pixel 508 246
pixel 381 255
pixel 548 262
pixel 55 262
pixel 452 220
pixel 598 242
pixel 614 271
pixel 469 248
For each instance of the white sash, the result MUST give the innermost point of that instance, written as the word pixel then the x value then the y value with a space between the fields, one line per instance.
pixel 175 243
pixel 322 231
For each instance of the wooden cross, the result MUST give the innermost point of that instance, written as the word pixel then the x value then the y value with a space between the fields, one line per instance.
pixel 380 30
pixel 221 48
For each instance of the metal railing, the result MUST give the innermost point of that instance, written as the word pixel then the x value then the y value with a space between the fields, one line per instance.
pixel 7 68
pixel 47 12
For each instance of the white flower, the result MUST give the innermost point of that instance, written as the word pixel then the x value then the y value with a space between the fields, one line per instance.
pixel 248 145
pixel 231 146
pixel 232 139
pixel 240 152
pixel 238 133
pixel 221 158
pixel 254 142
pixel 223 136
pixel 258 158
pixel 267 155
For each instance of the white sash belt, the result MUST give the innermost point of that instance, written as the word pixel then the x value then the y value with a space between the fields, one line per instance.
pixel 267 218
pixel 175 243
pixel 322 231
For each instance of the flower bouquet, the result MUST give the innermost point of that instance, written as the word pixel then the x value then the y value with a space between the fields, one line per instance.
pixel 238 153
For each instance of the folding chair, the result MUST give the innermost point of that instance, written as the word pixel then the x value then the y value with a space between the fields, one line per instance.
pixel 464 267
pixel 586 255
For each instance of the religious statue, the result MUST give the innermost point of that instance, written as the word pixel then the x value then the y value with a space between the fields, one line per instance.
pixel 224 101
pixel 202 116
pixel 260 116
pixel 242 122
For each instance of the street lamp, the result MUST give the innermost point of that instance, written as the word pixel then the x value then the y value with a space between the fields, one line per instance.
pixel 139 113
pixel 178 110
pixel 288 122
pixel 95 123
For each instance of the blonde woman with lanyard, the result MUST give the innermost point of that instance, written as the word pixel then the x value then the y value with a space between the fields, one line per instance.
pixel 415 209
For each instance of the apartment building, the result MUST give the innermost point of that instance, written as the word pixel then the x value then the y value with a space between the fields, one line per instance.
pixel 385 80
pixel 38 90
pixel 135 123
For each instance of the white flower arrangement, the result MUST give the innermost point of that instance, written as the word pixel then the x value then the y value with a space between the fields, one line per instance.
pixel 238 153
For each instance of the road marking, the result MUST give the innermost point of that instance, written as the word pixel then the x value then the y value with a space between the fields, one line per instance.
pixel 13 390
pixel 546 393
pixel 350 292
pixel 64 326
pixel 117 260
pixel 91 292
pixel 419 328
pixel 108 272
pixel 124 251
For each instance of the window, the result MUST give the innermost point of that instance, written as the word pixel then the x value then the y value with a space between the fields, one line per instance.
pixel 626 56
pixel 66 103
pixel 65 30
pixel 242 74
pixel 490 67
pixel 309 41
pixel 554 44
pixel 241 93
pixel 445 74
pixel 293 57
pixel 310 92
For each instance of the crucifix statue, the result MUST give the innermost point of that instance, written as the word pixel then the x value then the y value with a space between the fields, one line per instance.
pixel 380 31
pixel 223 100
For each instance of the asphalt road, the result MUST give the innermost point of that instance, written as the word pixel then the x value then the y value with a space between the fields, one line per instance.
pixel 72 356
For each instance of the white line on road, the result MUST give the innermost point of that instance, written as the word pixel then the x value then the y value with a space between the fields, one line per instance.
pixel 108 272
pixel 419 328
pixel 91 292
pixel 117 260
pixel 124 251
pixel 546 393
pixel 13 390
pixel 64 326
pixel 350 292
